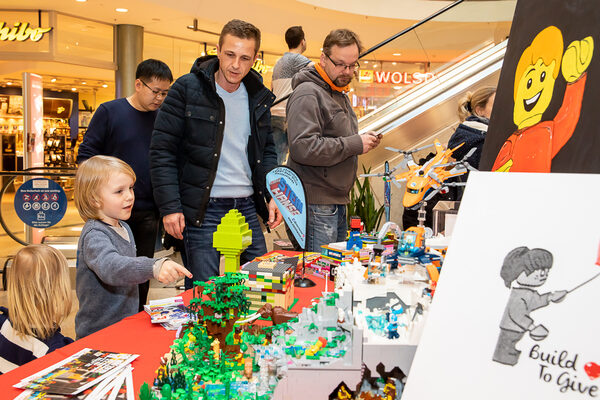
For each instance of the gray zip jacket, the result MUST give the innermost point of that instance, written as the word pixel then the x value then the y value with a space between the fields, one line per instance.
pixel 323 138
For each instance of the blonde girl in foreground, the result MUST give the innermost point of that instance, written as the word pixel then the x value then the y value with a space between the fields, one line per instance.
pixel 39 299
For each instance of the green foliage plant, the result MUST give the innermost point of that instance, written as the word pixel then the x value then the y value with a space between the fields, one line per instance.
pixel 362 204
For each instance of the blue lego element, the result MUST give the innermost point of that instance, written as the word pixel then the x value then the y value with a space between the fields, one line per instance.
pixel 354 240
pixel 410 253
pixel 392 326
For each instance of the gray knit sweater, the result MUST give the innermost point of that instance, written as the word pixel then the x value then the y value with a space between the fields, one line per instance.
pixel 108 272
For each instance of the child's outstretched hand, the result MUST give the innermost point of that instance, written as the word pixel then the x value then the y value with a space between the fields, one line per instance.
pixel 557 296
pixel 171 272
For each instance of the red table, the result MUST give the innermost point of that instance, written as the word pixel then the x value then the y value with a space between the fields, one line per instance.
pixel 135 335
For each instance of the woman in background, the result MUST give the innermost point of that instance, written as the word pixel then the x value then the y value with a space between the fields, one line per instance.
pixel 474 111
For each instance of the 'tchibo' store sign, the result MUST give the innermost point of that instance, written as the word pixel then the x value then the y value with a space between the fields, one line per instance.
pixel 396 78
pixel 20 32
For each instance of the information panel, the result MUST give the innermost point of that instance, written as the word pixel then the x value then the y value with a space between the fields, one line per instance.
pixel 40 203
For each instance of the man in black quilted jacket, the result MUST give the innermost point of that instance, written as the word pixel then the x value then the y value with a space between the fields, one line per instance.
pixel 211 149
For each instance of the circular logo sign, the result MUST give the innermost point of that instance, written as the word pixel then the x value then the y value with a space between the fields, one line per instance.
pixel 40 203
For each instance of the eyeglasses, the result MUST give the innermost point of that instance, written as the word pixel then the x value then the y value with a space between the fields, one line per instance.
pixel 342 66
pixel 157 93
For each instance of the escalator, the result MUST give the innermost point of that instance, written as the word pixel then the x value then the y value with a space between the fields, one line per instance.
pixel 414 115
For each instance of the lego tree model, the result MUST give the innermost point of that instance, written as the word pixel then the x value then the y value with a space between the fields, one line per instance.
pixel 232 236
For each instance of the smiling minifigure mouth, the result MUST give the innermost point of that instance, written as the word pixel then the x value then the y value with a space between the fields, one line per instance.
pixel 529 103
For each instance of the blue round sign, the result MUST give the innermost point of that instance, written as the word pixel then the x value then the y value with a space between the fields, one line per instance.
pixel 40 203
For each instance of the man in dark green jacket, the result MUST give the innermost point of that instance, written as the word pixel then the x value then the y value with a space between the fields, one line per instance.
pixel 323 137
pixel 211 149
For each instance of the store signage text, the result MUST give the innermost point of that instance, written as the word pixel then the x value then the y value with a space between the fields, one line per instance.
pixel 21 31
pixel 260 67
pixel 396 78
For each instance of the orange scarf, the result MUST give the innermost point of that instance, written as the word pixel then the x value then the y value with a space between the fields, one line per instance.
pixel 323 74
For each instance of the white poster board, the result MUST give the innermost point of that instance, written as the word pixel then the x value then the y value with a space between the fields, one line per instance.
pixel 501 213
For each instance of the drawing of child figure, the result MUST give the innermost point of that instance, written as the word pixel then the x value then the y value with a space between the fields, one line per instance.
pixel 523 269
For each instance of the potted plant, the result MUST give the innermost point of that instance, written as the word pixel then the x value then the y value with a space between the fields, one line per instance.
pixel 362 204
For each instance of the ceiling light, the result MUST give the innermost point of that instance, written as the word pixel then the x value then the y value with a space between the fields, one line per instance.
pixel 53 80
pixel 394 63
pixel 397 54
pixel 74 89
pixel 9 83
pixel 84 83
pixel 121 10
pixel 374 65
pixel 81 1
pixel 104 85
pixel 366 62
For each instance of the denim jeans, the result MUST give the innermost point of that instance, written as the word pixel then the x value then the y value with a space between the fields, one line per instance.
pixel 280 138
pixel 144 226
pixel 326 224
pixel 202 258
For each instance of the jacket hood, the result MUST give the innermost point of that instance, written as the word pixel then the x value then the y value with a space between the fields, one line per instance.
pixel 309 74
pixel 205 68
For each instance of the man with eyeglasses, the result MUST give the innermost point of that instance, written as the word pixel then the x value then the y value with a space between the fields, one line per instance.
pixel 323 137
pixel 122 128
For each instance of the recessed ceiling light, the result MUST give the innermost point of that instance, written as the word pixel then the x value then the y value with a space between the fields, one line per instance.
pixel 53 80
pixel 81 1
pixel 123 10
pixel 74 89
pixel 374 65
pixel 396 54
pixel 104 85
pixel 394 63
pixel 84 83
pixel 366 62
pixel 9 83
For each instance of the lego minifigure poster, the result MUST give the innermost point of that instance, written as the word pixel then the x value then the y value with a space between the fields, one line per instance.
pixel 545 116
pixel 515 311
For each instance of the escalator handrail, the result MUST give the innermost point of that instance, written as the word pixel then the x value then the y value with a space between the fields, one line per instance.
pixel 410 28
pixel 391 38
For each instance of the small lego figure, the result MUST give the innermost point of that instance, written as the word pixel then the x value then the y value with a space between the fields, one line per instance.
pixel 354 240
pixel 216 349
pixel 392 327
pixel 529 269
pixel 343 394
pixel 248 364
pixel 376 268
pixel 390 389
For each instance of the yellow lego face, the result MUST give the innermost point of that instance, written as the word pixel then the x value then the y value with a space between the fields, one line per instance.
pixel 534 93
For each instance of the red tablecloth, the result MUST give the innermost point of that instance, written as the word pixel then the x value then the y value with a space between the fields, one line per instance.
pixel 135 335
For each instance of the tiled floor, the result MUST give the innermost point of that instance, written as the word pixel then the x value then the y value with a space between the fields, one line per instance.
pixel 71 225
